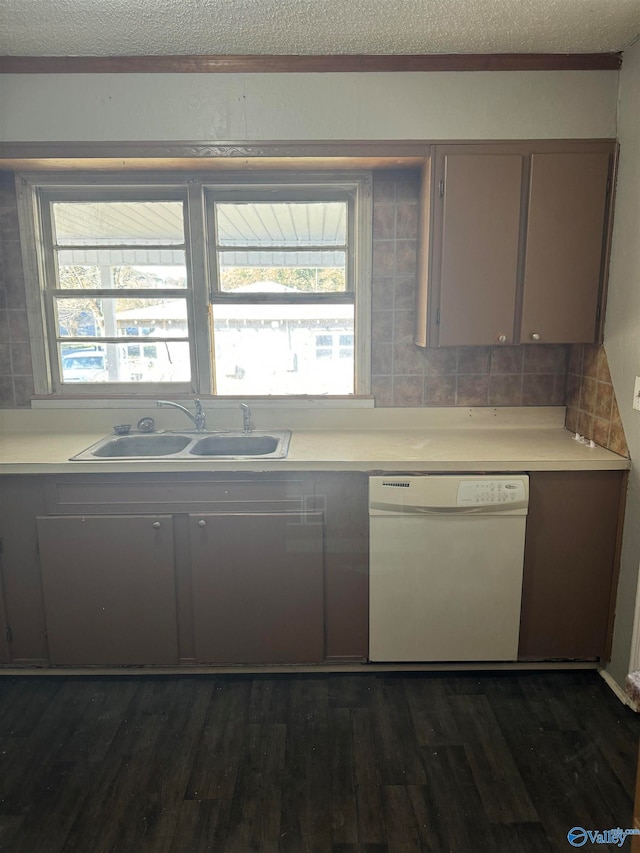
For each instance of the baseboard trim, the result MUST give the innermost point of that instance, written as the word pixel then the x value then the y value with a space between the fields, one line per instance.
pixel 292 669
pixel 619 691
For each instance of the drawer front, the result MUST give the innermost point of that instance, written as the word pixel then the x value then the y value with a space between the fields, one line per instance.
pixel 177 493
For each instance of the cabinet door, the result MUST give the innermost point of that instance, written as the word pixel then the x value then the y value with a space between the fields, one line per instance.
pixel 258 587
pixel 109 589
pixel 479 248
pixel 570 564
pixel 5 656
pixel 343 498
pixel 565 246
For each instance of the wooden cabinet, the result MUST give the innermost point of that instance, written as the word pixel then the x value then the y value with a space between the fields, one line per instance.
pixel 518 244
pixel 564 253
pixel 478 258
pixel 262 568
pixel 21 500
pixel 343 498
pixel 570 569
pixel 109 589
pixel 5 655
pixel 258 587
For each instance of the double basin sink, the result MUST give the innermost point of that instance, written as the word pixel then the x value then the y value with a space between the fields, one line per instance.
pixel 190 445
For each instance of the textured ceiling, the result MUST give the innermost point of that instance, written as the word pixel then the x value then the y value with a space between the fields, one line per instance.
pixel 161 27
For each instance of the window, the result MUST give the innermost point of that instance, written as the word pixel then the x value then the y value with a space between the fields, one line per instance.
pixel 284 275
pixel 116 276
pixel 190 285
pixel 334 346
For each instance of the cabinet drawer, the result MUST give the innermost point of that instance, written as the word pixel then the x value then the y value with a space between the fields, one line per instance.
pixel 173 493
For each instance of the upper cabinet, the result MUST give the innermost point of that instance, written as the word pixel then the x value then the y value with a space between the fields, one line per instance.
pixel 517 238
pixel 565 247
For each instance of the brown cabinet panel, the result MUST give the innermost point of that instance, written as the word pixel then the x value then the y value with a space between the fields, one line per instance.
pixel 5 655
pixel 121 494
pixel 565 244
pixel 21 499
pixel 480 239
pixel 343 498
pixel 258 587
pixel 570 564
pixel 515 243
pixel 109 589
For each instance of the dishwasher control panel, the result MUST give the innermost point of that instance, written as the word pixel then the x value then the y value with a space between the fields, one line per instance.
pixel 485 491
pixel 454 494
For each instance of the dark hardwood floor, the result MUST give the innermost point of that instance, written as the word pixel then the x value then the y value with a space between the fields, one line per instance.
pixel 336 763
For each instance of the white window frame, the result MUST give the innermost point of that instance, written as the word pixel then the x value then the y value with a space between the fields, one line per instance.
pixel 36 190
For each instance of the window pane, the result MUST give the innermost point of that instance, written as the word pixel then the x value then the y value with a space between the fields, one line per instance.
pixel 274 349
pixel 163 361
pixel 80 269
pixel 137 223
pixel 119 317
pixel 281 272
pixel 319 223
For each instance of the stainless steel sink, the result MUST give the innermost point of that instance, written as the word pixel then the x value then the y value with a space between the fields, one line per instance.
pixel 195 446
pixel 161 444
pixel 235 445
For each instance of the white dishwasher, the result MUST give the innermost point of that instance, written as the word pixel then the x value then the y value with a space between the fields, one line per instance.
pixel 446 559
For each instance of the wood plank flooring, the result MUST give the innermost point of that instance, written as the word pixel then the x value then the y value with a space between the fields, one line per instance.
pixel 358 763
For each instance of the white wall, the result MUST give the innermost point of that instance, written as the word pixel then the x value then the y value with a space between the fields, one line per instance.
pixel 622 342
pixel 235 107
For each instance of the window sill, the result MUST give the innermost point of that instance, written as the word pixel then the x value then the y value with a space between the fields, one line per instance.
pixel 208 403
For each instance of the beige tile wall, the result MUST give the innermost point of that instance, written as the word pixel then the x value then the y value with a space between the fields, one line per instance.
pixel 16 375
pixel 406 375
pixel 592 409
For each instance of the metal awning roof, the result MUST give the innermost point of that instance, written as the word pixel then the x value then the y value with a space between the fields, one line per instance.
pixel 142 233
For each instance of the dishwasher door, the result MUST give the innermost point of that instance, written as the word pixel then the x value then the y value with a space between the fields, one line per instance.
pixel 446 560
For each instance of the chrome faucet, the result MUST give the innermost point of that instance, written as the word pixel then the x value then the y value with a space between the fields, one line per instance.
pixel 199 419
pixel 247 426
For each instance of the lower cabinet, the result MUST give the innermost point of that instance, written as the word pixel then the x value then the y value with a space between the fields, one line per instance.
pixel 195 569
pixel 258 587
pixel 155 569
pixel 5 656
pixel 109 589
pixel 570 568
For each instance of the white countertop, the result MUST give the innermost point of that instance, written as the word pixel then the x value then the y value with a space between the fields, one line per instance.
pixel 430 440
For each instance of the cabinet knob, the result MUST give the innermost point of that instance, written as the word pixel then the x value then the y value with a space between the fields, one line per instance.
pixel 156 525
pixel 502 339
pixel 202 523
pixel 535 336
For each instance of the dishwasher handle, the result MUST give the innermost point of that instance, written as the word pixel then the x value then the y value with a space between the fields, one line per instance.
pixel 411 509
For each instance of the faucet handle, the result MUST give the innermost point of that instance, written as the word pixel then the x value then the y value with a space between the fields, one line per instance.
pixel 247 426
pixel 201 418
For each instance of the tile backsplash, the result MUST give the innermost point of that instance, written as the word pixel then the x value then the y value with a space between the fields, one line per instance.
pixel 592 409
pixel 473 376
pixel 16 374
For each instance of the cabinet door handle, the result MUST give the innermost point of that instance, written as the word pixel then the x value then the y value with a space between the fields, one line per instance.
pixel 202 523
pixel 156 525
pixel 502 338
pixel 535 336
